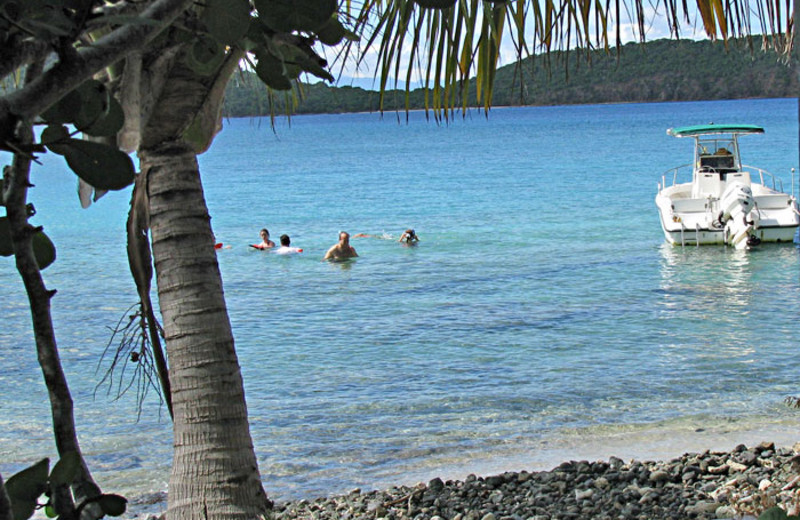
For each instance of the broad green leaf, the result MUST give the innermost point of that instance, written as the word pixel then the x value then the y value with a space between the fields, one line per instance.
pixel 227 20
pixel 25 488
pixel 65 110
pixel 66 469
pixel 295 15
pixel 298 57
pixel 113 505
pixel 54 135
pixel 109 123
pixel 332 32
pixel 95 102
pixel 270 70
pixel 102 166
pixel 43 250
pixel 291 70
pixel 6 249
pixel 205 56
pixel 85 106
pixel 23 509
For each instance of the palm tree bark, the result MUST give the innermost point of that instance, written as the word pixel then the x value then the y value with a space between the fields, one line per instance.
pixel 213 455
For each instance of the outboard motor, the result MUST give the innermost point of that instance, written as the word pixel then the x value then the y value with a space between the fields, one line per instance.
pixel 735 204
pixel 737 199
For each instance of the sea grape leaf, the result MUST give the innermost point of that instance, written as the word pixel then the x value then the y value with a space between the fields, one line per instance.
pixel 25 488
pixel 66 469
pixel 331 32
pixel 270 70
pixel 227 20
pixel 6 249
pixel 205 56
pixel 65 110
pixel 102 166
pixel 297 56
pixel 109 123
pixel 43 250
pixel 79 104
pixel 295 15
pixel 95 101
pixel 54 137
pixel 113 505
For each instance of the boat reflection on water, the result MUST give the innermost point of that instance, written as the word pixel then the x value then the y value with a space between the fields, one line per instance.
pixel 709 308
pixel 707 278
pixel 725 299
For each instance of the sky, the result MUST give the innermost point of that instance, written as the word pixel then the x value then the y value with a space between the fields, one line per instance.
pixel 656 28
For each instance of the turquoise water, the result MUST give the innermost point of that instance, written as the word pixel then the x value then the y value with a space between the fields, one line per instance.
pixel 541 316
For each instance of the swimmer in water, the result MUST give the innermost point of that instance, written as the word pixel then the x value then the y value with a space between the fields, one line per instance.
pixel 409 237
pixel 266 243
pixel 342 250
pixel 286 247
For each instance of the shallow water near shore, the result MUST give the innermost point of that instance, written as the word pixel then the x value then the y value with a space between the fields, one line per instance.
pixel 541 317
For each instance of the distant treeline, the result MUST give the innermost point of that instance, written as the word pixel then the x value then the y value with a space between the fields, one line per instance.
pixel 662 70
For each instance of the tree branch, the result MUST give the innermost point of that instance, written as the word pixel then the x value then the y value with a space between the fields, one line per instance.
pixel 36 97
pixel 14 55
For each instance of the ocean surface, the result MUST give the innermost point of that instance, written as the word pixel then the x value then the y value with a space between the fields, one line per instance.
pixel 541 318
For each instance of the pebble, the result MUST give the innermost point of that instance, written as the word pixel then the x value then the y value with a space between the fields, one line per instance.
pixel 705 486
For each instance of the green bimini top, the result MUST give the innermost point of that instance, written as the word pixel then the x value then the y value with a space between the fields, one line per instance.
pixel 697 130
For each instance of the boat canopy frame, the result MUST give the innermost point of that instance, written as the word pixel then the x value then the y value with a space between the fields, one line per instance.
pixel 716 146
pixel 711 129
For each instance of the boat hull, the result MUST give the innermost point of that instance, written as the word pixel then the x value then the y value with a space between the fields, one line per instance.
pixel 714 237
pixel 687 221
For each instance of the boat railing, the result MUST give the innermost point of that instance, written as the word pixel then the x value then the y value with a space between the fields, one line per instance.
pixel 686 170
pixel 765 176
pixel 674 173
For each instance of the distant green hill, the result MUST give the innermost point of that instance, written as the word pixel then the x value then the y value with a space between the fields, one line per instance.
pixel 662 70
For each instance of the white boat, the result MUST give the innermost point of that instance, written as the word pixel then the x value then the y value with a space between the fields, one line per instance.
pixel 725 202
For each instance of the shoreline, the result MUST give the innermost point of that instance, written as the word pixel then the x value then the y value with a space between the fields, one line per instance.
pixel 739 483
pixel 640 453
pixel 652 442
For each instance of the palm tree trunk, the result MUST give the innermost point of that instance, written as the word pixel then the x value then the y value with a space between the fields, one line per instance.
pixel 213 451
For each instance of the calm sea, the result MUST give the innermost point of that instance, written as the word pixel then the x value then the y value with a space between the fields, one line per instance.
pixel 541 317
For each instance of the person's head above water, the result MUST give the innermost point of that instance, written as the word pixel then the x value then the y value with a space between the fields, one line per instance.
pixel 409 236
pixel 341 249
pixel 285 240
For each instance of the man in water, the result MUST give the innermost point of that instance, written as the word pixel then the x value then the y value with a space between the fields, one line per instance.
pixel 342 250
pixel 266 243
pixel 286 247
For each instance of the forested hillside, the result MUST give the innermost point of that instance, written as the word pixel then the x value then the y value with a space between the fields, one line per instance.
pixel 662 70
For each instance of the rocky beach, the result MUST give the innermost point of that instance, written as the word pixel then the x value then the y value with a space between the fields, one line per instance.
pixel 708 485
